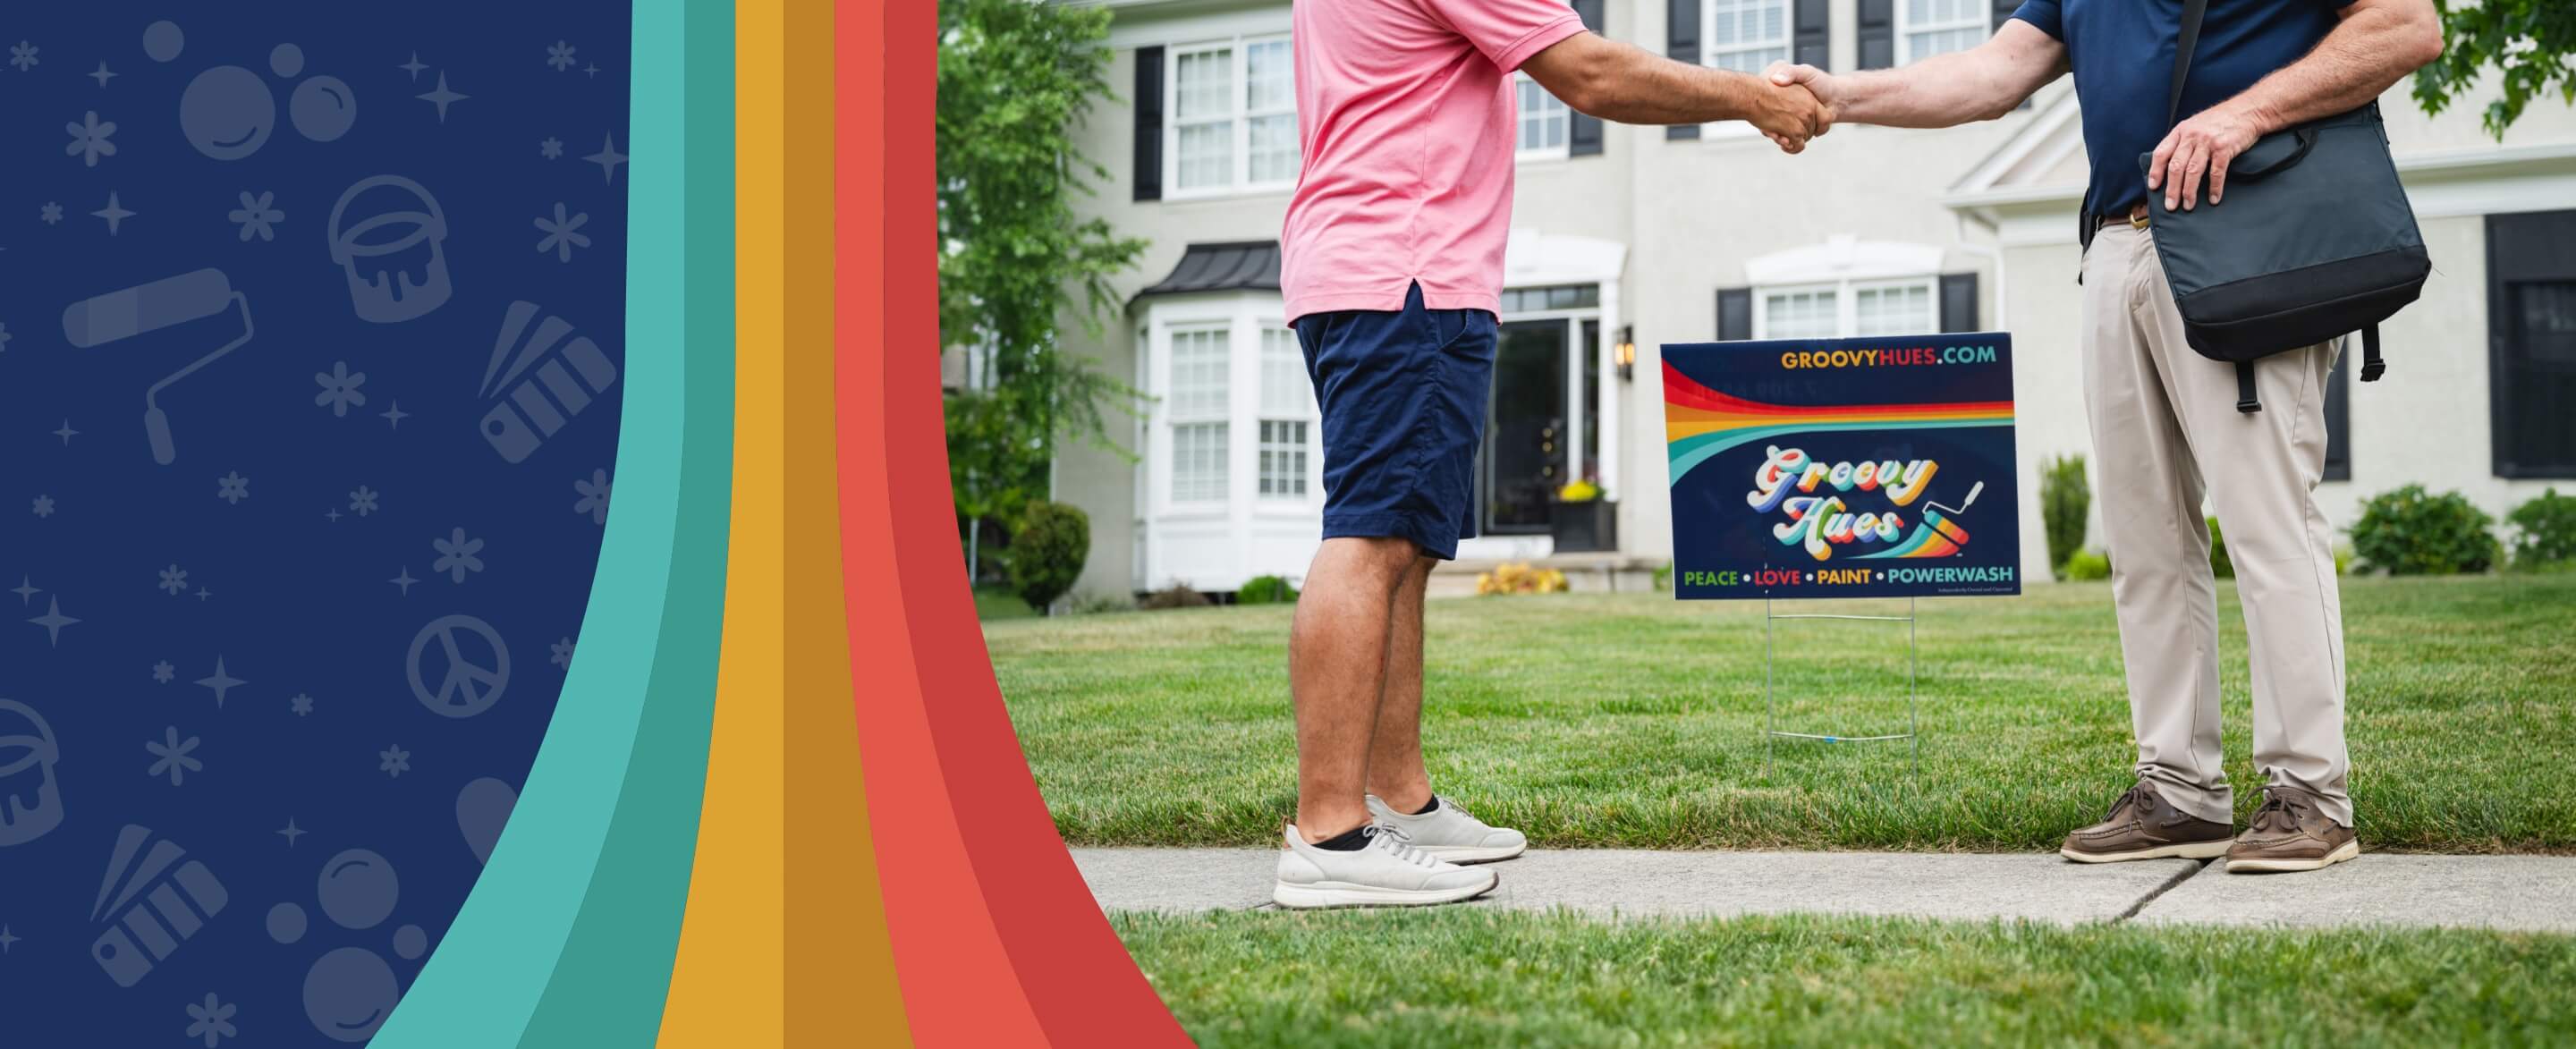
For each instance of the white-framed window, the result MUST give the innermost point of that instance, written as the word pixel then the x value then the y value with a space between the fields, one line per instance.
pixel 1745 35
pixel 1544 120
pixel 1200 411
pixel 1925 28
pixel 1287 411
pixel 1846 309
pixel 1234 117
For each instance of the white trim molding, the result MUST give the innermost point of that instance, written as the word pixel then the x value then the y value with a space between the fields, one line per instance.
pixel 1843 257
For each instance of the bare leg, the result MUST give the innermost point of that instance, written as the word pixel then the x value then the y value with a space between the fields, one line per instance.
pixel 1395 771
pixel 1337 668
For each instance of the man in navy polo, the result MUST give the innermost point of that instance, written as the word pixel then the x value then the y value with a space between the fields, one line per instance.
pixel 2165 431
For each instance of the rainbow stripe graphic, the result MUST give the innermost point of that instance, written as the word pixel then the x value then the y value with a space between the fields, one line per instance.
pixel 1934 536
pixel 1700 422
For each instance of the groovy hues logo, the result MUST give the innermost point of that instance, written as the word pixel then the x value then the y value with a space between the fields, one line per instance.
pixel 1820 522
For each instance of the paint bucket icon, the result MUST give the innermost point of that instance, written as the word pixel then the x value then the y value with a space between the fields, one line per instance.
pixel 380 252
pixel 31 801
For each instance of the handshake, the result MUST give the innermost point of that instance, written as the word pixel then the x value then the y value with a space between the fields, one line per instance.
pixel 1793 103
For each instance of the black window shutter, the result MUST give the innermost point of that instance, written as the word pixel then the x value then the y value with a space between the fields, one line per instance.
pixel 1734 313
pixel 2338 425
pixel 2531 282
pixel 1877 34
pixel 1681 44
pixel 1149 123
pixel 1583 133
pixel 2004 11
pixel 1812 32
pixel 1959 302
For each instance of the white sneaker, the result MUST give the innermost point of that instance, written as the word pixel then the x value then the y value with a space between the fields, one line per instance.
pixel 1387 873
pixel 1450 833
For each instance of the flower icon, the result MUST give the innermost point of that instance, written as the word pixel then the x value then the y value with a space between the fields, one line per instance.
pixel 255 216
pixel 560 237
pixel 173 755
pixel 594 496
pixel 22 55
pixel 559 55
pixel 456 555
pixel 175 580
pixel 363 501
pixel 232 488
pixel 89 139
pixel 551 148
pixel 393 761
pixel 563 653
pixel 50 214
pixel 44 506
pixel 340 389
pixel 214 1021
pixel 301 704
pixel 162 671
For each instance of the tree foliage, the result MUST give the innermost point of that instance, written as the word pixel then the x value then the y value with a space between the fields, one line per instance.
pixel 1015 261
pixel 2527 41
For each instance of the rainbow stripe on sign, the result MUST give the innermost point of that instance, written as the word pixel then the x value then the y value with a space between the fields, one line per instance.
pixel 1700 422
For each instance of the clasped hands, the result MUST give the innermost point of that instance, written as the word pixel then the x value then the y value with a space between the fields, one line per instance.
pixel 1793 105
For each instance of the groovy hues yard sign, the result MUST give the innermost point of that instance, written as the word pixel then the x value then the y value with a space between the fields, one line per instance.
pixel 1876 467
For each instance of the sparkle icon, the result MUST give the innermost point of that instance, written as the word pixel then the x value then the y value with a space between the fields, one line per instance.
pixel 53 621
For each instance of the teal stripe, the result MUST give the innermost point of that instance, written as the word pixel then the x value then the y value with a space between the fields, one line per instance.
pixel 568 938
pixel 1691 451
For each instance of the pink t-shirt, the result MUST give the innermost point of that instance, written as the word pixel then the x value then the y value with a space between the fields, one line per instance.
pixel 1406 114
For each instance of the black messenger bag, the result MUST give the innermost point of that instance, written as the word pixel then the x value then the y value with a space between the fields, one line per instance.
pixel 2316 239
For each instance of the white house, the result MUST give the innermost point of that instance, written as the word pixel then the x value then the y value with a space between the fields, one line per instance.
pixel 1624 239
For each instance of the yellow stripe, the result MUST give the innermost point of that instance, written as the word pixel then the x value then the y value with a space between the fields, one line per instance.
pixel 728 985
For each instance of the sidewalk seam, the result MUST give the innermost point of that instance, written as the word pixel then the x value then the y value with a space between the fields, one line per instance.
pixel 2178 878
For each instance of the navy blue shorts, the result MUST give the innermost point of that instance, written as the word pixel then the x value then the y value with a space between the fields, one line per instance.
pixel 1403 396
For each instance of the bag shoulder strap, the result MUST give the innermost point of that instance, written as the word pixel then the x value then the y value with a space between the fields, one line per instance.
pixel 2192 12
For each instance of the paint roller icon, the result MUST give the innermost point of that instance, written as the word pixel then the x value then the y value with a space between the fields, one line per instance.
pixel 151 307
pixel 1950 529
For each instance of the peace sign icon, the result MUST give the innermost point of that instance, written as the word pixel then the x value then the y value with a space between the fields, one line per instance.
pixel 478 666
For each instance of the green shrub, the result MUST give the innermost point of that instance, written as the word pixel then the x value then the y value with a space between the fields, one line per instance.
pixel 1266 590
pixel 1177 595
pixel 2064 498
pixel 1047 550
pixel 2343 558
pixel 2544 530
pixel 2219 565
pixel 2086 566
pixel 1664 578
pixel 2409 532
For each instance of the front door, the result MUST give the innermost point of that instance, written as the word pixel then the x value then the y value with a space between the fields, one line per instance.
pixel 1525 432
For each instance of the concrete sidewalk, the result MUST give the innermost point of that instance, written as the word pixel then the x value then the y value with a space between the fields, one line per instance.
pixel 2521 893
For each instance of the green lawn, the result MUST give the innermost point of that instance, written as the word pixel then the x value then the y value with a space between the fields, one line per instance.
pixel 1636 720
pixel 1470 976
pixel 995 601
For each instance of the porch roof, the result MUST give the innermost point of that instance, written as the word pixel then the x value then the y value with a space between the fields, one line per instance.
pixel 1226 266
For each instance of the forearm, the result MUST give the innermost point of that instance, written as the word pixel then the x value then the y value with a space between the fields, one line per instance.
pixel 1941 91
pixel 1631 85
pixel 2361 58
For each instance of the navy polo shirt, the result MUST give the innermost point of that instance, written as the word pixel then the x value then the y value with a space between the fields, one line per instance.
pixel 2122 52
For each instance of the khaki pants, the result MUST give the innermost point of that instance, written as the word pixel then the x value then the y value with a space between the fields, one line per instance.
pixel 2165 432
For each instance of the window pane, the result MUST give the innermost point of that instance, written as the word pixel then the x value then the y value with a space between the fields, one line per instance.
pixel 1198 462
pixel 1901 310
pixel 1274 149
pixel 1199 366
pixel 1271 82
pixel 1205 79
pixel 1207 154
pixel 1800 315
pixel 1283 459
pixel 1285 388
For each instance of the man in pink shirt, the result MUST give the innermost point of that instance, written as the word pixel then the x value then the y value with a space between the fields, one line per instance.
pixel 1393 273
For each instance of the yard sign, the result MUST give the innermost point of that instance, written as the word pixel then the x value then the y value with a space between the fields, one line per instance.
pixel 1877 467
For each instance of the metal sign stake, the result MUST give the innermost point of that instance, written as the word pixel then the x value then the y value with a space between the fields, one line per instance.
pixel 1770 698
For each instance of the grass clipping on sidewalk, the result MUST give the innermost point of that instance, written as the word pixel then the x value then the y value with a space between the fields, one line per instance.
pixel 1634 720
pixel 1472 976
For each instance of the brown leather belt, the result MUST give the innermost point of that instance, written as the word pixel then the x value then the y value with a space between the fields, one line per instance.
pixel 2135 219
